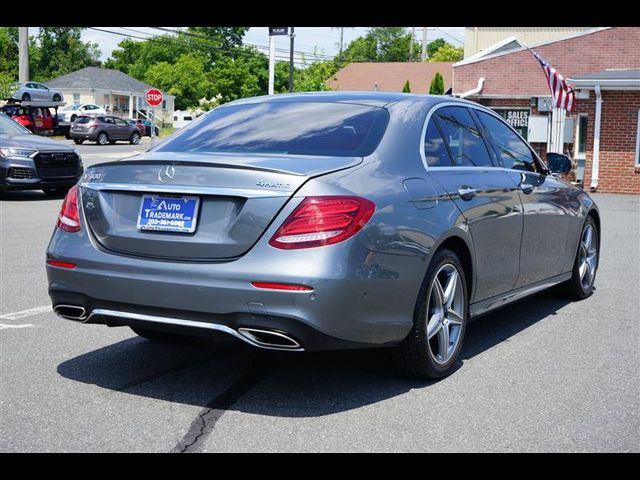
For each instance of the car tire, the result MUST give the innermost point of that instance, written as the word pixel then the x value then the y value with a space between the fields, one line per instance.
pixel 585 265
pixel 78 141
pixel 26 97
pixel 158 336
pixel 102 138
pixel 56 98
pixel 135 138
pixel 112 142
pixel 439 316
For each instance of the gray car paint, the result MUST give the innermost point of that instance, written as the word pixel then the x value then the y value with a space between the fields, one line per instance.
pixel 365 288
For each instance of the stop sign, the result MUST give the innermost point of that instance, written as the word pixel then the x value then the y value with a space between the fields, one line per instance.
pixel 153 97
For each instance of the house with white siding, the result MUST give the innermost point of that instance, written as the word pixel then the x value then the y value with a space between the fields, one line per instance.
pixel 118 93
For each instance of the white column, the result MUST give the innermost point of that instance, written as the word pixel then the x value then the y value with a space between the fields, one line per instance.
pixel 595 165
pixel 131 105
pixel 557 130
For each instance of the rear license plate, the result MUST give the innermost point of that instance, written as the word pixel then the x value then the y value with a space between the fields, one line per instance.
pixel 168 213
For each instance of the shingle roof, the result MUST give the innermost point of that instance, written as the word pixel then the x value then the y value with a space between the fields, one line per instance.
pixel 390 76
pixel 102 78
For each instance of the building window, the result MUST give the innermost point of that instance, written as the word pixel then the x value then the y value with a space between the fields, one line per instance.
pixel 76 98
pixel 581 136
pixel 164 105
pixel 638 140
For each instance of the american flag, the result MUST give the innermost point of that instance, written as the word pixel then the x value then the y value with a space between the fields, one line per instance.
pixel 563 94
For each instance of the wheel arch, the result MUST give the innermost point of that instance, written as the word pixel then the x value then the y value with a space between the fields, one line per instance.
pixel 462 248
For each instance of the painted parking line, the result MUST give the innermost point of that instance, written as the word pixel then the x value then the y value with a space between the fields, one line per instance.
pixel 24 325
pixel 26 313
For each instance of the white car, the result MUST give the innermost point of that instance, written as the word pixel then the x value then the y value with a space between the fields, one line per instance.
pixel 35 92
pixel 70 113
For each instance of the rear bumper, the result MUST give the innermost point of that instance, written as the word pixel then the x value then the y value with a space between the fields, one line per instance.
pixel 360 298
pixel 83 135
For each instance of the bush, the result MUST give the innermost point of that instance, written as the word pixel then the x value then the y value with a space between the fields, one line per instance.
pixel 437 85
pixel 407 87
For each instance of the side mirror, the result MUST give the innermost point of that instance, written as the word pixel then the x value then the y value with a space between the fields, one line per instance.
pixel 558 163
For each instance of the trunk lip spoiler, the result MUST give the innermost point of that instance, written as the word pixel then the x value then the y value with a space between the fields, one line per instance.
pixel 189 189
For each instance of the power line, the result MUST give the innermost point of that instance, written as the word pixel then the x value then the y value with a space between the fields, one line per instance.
pixel 204 38
pixel 178 42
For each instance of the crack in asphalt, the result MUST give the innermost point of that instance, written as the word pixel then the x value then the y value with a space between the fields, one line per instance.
pixel 203 424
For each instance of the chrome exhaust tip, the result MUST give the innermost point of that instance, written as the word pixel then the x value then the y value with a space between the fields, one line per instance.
pixel 269 339
pixel 71 312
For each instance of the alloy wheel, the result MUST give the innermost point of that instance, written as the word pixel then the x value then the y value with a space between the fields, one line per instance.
pixel 445 313
pixel 588 259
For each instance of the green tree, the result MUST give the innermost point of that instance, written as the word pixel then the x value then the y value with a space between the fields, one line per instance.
pixel 381 44
pixel 312 77
pixel 8 52
pixel 448 53
pixel 407 87
pixel 186 79
pixel 434 46
pixel 62 51
pixel 135 58
pixel 437 85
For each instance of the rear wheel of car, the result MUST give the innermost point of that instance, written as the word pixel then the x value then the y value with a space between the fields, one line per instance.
pixel 157 336
pixel 73 118
pixel 56 98
pixel 26 97
pixel 102 138
pixel 135 138
pixel 432 347
pixel 585 266
pixel 78 141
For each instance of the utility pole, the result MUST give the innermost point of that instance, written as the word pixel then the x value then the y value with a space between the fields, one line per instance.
pixel 23 54
pixel 413 34
pixel 424 44
pixel 341 42
pixel 291 36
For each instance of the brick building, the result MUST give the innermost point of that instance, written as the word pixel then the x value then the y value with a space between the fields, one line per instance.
pixel 604 65
pixel 390 76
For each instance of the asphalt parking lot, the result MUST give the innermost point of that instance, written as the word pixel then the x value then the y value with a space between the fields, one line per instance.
pixel 541 375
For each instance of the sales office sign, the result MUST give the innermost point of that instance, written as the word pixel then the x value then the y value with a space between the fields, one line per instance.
pixel 518 118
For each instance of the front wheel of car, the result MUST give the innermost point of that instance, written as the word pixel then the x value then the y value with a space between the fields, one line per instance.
pixel 135 138
pixel 157 336
pixel 26 97
pixel 56 98
pixel 102 139
pixel 73 118
pixel 78 141
pixel 431 349
pixel 585 265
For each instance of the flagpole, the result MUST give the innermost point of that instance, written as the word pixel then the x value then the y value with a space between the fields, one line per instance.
pixel 556 140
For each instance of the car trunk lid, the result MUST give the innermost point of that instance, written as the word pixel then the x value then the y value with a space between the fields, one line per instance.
pixel 238 197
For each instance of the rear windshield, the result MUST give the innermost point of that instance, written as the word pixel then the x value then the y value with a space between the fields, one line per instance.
pixel 84 120
pixel 299 128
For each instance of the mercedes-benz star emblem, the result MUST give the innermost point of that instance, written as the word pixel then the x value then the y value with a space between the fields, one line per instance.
pixel 166 174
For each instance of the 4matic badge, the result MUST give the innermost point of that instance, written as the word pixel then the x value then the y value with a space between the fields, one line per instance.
pixel 262 183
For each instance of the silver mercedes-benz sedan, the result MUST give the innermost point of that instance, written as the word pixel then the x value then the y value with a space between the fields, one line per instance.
pixel 324 221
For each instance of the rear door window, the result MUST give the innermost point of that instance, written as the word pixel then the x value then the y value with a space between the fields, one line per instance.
pixel 463 137
pixel 435 151
pixel 512 151
pixel 299 128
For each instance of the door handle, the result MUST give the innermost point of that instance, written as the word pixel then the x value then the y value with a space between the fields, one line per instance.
pixel 526 187
pixel 466 193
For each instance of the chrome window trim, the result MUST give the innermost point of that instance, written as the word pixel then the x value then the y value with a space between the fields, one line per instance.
pixel 491 154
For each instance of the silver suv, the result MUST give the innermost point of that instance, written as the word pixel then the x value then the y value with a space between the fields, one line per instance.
pixel 103 130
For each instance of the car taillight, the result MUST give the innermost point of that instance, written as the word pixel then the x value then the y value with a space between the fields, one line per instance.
pixel 320 221
pixel 69 218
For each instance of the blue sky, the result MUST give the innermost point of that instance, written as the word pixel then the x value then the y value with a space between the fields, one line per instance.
pixel 323 40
